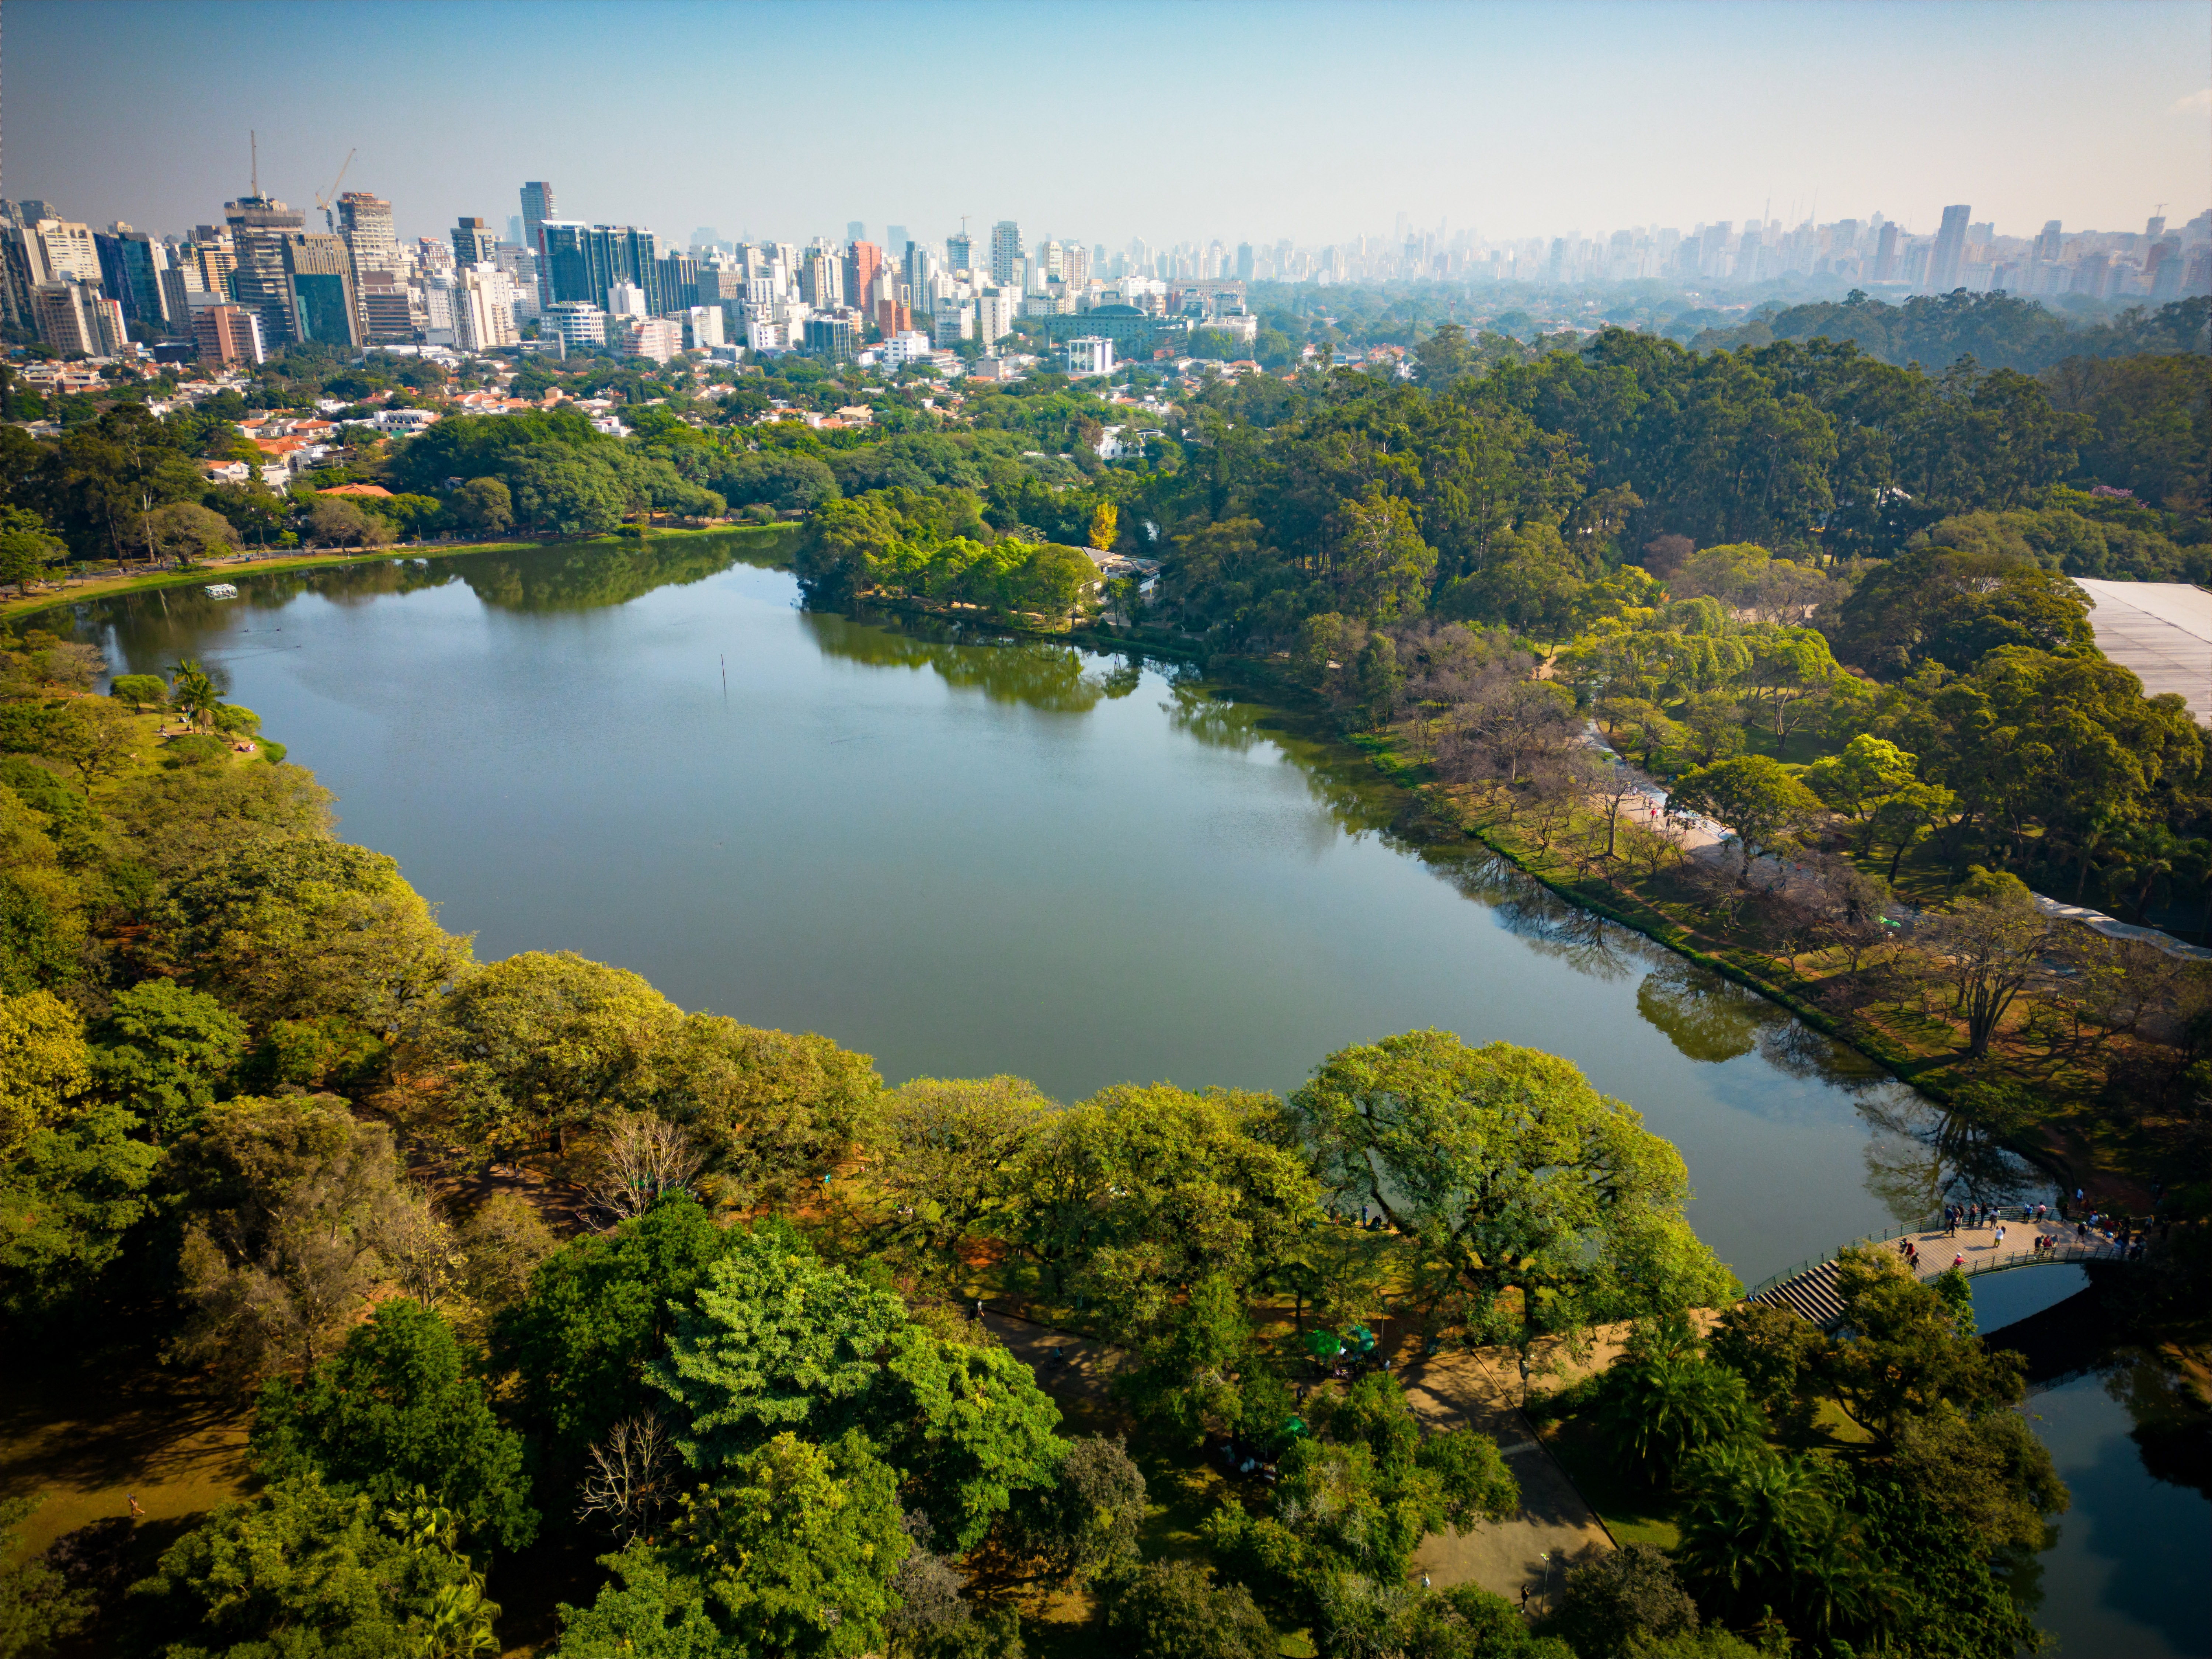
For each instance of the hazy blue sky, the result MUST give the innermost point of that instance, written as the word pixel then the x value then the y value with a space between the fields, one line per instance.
pixel 1103 122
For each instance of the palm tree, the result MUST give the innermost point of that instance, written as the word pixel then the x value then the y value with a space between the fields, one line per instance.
pixel 194 692
pixel 1661 1412
pixel 1753 1522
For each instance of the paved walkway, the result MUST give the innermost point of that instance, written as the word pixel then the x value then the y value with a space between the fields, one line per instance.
pixel 1477 1390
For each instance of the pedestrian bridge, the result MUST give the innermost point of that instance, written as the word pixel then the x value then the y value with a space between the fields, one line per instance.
pixel 1810 1288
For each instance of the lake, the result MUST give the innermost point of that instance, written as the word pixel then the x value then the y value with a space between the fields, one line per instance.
pixel 965 857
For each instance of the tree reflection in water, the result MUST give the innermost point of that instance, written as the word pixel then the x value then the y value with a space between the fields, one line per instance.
pixel 1920 1157
pixel 1703 1016
pixel 1058 679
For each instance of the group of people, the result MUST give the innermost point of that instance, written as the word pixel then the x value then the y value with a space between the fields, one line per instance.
pixel 2089 1229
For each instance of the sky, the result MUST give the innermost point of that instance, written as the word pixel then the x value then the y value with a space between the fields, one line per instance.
pixel 1178 121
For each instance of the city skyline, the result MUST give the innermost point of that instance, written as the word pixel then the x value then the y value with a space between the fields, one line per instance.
pixel 1356 155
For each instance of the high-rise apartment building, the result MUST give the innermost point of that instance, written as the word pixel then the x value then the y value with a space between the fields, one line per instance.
pixel 863 261
pixel 388 307
pixel 214 262
pixel 483 309
pixel 537 209
pixel 364 223
pixel 1005 251
pixel 73 316
pixel 259 228
pixel 2049 243
pixel 995 310
pixel 822 278
pixel 1947 263
pixel 959 252
pixel 228 334
pixel 473 241
pixel 521 265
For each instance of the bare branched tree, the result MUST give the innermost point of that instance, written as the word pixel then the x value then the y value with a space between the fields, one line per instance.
pixel 644 1157
pixel 632 1475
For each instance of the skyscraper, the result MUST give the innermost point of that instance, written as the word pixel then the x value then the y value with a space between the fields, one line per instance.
pixel 1005 251
pixel 1243 262
pixel 1946 263
pixel 2049 243
pixel 259 228
pixel 1884 257
pixel 537 209
pixel 131 266
pixel 959 252
pixel 319 290
pixel 473 242
pixel 862 261
pixel 582 262
pixel 365 226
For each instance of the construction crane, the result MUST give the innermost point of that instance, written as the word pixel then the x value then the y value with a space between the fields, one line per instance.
pixel 326 202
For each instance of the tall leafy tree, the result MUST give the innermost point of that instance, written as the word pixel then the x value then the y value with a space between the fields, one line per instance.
pixel 1546 1205
pixel 398 1408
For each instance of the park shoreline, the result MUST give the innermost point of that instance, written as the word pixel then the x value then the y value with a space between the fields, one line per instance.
pixel 13 605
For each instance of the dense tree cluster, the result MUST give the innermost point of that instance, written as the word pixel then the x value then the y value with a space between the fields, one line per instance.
pixel 1907 1541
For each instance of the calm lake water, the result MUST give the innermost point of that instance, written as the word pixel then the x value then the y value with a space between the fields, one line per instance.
pixel 2126 1573
pixel 969 857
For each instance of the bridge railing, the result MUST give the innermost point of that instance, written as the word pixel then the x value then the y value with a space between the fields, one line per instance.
pixel 1811 1261
pixel 2103 1248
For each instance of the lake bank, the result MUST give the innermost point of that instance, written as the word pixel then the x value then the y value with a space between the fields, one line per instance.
pixel 14 606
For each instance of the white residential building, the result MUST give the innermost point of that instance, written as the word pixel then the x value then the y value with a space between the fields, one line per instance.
pixel 702 327
pixel 577 323
pixel 483 309
pixel 656 337
pixel 994 315
pixel 909 346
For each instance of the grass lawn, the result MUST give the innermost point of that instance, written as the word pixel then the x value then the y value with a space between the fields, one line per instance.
pixel 1631 1512
pixel 90 1426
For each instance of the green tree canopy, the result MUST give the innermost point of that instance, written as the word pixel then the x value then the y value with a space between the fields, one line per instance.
pixel 398 1408
pixel 302 1570
pixel 1549 1205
